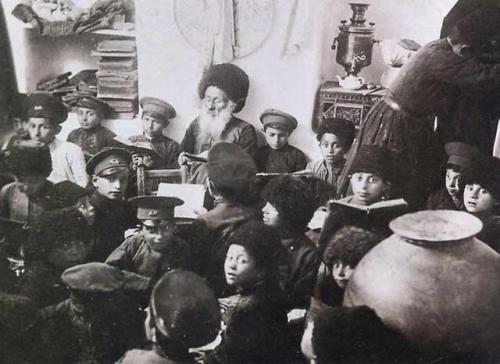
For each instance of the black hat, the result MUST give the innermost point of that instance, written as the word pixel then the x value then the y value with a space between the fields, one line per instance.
pixel 373 159
pixel 294 200
pixel 157 108
pixel 262 243
pixel 229 78
pixel 93 277
pixel 342 128
pixel 229 166
pixel 155 207
pixel 25 159
pixel 462 155
pixel 278 118
pixel 185 308
pixel 91 102
pixel 479 26
pixel 109 161
pixel 41 105
pixel 486 174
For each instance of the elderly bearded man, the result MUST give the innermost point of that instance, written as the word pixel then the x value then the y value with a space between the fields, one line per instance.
pixel 223 90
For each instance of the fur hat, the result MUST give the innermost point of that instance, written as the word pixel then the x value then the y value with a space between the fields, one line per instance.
pixel 294 200
pixel 28 160
pixel 262 243
pixel 478 27
pixel 185 309
pixel 349 245
pixel 342 128
pixel 229 78
pixel 487 175
pixel 373 159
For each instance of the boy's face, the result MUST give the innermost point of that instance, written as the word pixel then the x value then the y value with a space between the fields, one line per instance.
pixel 21 127
pixel 86 209
pixel 270 216
pixel 158 233
pixel 477 199
pixel 30 185
pixel 276 138
pixel 367 188
pixel 42 130
pixel 341 273
pixel 112 186
pixel 332 148
pixel 73 252
pixel 152 127
pixel 88 118
pixel 239 266
pixel 452 182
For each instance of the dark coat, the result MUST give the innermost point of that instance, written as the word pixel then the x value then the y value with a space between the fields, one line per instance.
pixel 256 331
pixel 112 219
pixel 491 232
pixel 43 285
pixel 286 160
pixel 92 141
pixel 441 200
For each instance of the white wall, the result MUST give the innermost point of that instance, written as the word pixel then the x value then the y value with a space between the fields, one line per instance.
pixel 170 68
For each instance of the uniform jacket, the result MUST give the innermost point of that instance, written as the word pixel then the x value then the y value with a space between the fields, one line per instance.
pixel 220 223
pixel 256 331
pixel 68 163
pixel 92 141
pixel 166 148
pixel 112 219
pixel 237 131
pixel 441 200
pixel 285 160
pixel 305 261
pixel 136 256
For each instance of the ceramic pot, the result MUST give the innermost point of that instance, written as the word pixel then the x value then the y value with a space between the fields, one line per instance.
pixel 434 282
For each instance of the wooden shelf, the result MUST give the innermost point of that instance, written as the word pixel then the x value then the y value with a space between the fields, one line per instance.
pixel 111 32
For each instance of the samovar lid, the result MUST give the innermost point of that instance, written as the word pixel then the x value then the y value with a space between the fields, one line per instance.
pixel 436 225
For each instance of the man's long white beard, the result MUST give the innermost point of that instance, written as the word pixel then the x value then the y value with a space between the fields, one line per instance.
pixel 213 126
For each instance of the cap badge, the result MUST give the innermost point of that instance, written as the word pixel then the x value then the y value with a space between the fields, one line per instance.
pixel 114 161
pixel 153 212
pixel 38 107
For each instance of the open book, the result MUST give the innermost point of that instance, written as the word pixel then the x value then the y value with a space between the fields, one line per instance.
pixel 137 147
pixel 377 206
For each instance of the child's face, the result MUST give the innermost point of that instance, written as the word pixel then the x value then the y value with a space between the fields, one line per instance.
pixel 152 127
pixel 158 233
pixel 112 186
pixel 73 252
pixel 239 266
pixel 270 216
pixel 21 127
pixel 42 130
pixel 367 188
pixel 477 199
pixel 88 118
pixel 86 209
pixel 452 182
pixel 30 185
pixel 341 273
pixel 332 148
pixel 276 138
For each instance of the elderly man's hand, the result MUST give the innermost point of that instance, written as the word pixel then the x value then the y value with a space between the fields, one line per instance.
pixel 182 159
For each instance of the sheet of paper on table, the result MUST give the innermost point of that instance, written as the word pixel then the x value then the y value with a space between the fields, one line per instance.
pixel 191 194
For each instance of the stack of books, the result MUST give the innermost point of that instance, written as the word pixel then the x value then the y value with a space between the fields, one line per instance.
pixel 117 76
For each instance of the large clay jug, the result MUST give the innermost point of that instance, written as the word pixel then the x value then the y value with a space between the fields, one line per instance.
pixel 434 282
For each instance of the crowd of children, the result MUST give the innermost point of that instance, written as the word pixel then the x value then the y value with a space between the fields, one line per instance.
pixel 109 276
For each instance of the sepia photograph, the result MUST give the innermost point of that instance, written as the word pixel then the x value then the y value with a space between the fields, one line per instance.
pixel 249 181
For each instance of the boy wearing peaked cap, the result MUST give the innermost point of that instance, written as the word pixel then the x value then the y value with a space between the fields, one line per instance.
pixel 277 156
pixel 92 137
pixel 45 115
pixel 156 116
pixel 183 313
pixel 462 159
pixel 95 325
pixel 155 249
pixel 113 215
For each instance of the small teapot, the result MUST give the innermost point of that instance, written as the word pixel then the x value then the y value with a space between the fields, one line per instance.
pixel 351 82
